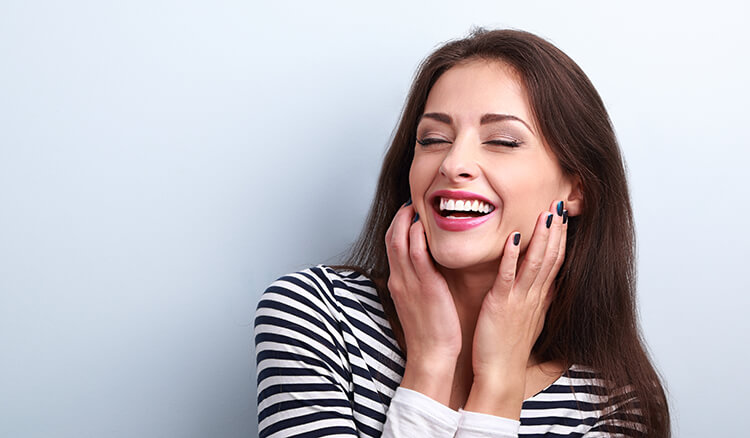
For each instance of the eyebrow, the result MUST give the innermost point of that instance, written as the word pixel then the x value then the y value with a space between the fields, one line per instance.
pixel 486 119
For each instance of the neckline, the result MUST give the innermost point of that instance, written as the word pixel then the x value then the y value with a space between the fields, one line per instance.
pixel 555 382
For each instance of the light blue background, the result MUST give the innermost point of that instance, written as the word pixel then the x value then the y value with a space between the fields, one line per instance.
pixel 162 161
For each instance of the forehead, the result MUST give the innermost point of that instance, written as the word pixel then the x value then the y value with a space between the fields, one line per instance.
pixel 469 90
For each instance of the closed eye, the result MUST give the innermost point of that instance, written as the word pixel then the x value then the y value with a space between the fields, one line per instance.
pixel 508 143
pixel 429 141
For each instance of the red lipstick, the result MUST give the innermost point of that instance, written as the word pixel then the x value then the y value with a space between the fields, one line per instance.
pixel 459 223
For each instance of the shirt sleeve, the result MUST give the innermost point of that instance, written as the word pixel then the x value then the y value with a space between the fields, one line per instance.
pixel 415 415
pixel 303 377
pixel 477 425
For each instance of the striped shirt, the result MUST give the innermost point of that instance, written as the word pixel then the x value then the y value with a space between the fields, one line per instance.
pixel 328 365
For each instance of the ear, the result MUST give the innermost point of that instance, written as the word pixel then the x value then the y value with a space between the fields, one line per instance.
pixel 574 201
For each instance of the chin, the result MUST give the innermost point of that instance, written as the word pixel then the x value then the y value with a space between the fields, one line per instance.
pixel 458 258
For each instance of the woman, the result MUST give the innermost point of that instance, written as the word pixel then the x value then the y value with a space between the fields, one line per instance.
pixel 491 292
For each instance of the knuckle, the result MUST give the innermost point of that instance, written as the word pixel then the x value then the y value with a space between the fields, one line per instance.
pixel 415 253
pixel 552 254
pixel 389 239
pixel 396 246
pixel 535 264
pixel 394 285
pixel 560 257
pixel 507 277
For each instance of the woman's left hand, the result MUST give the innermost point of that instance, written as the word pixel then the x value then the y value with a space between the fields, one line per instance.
pixel 512 317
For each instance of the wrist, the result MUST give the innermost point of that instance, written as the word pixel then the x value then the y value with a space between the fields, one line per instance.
pixel 499 395
pixel 431 378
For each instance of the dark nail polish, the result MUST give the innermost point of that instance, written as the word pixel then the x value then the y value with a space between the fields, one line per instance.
pixel 549 221
pixel 408 203
pixel 416 218
pixel 565 216
pixel 560 208
pixel 517 239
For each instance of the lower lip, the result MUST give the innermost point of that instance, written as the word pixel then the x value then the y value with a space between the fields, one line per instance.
pixel 460 224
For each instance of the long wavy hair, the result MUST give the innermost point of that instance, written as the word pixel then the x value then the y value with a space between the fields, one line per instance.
pixel 592 320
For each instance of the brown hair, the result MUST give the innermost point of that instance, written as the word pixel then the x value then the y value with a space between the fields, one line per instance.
pixel 592 320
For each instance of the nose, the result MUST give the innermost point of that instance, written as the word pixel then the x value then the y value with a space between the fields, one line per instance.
pixel 460 164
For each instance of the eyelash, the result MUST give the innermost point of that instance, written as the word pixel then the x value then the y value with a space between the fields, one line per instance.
pixel 507 143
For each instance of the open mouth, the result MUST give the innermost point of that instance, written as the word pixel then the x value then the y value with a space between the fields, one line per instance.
pixel 461 208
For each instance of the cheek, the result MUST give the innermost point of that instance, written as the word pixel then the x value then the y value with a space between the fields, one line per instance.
pixel 421 175
pixel 524 194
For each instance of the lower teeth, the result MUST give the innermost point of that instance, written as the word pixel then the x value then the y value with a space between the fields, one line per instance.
pixel 464 216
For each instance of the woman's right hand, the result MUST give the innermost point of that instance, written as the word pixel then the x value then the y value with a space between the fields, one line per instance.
pixel 425 309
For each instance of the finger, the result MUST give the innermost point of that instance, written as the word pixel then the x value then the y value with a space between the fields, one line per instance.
pixel 534 257
pixel 540 293
pixel 552 251
pixel 540 290
pixel 418 253
pixel 506 275
pixel 397 242
pixel 389 232
pixel 560 259
pixel 561 247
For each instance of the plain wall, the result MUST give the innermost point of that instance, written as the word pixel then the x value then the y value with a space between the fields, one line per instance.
pixel 161 162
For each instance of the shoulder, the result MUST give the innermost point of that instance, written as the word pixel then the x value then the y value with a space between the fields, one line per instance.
pixel 598 393
pixel 581 401
pixel 616 407
pixel 579 387
pixel 323 289
pixel 310 375
pixel 332 322
pixel 323 297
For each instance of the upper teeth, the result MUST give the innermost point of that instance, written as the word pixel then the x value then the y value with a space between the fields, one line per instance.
pixel 465 205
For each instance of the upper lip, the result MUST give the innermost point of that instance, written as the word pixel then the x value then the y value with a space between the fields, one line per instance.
pixel 459 194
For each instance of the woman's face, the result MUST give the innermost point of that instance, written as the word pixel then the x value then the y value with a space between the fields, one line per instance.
pixel 477 142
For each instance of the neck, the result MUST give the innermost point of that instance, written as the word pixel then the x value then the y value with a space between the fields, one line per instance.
pixel 469 286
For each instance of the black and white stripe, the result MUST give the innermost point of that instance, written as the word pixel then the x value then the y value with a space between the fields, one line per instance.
pixel 328 365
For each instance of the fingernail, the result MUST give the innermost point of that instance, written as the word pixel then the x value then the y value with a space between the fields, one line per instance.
pixel 517 239
pixel 549 220
pixel 565 216
pixel 408 203
pixel 416 218
pixel 560 208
